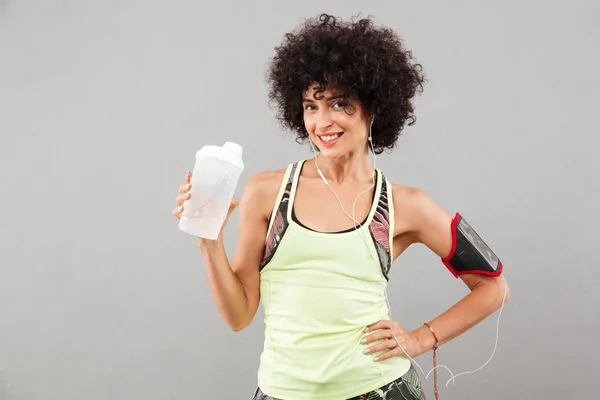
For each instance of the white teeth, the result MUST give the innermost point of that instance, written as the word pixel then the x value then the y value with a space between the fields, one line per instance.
pixel 330 137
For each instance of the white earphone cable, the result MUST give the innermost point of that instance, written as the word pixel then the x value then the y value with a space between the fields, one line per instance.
pixel 376 259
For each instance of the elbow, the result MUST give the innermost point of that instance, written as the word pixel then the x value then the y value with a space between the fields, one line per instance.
pixel 240 320
pixel 502 291
pixel 237 326
pixel 494 290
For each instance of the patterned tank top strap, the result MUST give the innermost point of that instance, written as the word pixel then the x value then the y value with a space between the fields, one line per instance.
pixel 382 226
pixel 278 222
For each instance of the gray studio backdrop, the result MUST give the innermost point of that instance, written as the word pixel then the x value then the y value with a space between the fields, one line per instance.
pixel 103 105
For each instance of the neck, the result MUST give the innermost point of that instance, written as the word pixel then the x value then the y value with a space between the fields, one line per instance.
pixel 349 168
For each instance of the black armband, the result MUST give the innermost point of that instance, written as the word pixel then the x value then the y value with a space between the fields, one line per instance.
pixel 469 253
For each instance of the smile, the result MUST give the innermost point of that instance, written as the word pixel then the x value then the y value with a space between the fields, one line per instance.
pixel 330 138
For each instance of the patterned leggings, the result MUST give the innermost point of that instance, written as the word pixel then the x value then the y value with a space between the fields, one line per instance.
pixel 407 387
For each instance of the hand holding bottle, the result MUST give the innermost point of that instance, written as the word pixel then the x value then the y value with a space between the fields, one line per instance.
pixel 185 194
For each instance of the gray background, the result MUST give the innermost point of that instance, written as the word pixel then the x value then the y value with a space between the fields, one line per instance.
pixel 103 105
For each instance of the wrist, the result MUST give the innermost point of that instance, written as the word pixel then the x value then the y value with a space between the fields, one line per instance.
pixel 207 245
pixel 425 338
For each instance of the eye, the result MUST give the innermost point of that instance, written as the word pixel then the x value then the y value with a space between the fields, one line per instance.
pixel 339 104
pixel 309 107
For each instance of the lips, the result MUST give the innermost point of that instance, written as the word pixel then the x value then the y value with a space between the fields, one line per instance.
pixel 329 138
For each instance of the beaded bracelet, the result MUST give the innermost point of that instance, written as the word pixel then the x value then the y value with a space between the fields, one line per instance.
pixel 435 347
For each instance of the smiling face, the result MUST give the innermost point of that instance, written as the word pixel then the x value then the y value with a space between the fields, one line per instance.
pixel 337 126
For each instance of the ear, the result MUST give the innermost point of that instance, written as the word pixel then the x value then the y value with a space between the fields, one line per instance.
pixel 371 120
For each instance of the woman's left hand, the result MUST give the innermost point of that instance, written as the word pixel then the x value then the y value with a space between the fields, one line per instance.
pixel 381 332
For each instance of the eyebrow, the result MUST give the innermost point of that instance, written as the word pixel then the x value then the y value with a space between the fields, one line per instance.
pixel 334 97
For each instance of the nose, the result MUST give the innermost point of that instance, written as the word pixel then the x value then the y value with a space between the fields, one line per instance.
pixel 323 120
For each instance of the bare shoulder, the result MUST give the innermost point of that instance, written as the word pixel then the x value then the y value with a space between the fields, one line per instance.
pixel 406 200
pixel 417 214
pixel 265 183
pixel 261 190
pixel 408 196
pixel 255 207
pixel 413 202
pixel 267 177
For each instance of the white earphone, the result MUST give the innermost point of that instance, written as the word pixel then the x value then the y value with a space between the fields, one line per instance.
pixel 376 259
pixel 352 217
pixel 320 173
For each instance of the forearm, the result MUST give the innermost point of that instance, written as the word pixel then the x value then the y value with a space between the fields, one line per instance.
pixel 225 286
pixel 481 302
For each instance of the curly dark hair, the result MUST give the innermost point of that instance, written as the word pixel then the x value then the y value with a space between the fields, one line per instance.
pixel 358 59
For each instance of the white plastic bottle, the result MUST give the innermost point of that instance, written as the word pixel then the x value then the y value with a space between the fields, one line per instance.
pixel 214 179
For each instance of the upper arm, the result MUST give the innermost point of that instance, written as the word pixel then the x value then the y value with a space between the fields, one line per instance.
pixel 254 210
pixel 426 222
pixel 430 222
pixel 419 219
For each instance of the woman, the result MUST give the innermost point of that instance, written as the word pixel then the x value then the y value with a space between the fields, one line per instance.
pixel 317 238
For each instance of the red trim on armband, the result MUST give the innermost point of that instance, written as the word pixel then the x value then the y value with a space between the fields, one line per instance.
pixel 446 260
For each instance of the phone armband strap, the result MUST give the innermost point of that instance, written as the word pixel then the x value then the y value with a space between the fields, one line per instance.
pixel 469 253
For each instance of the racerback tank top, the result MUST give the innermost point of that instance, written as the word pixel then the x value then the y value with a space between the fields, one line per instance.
pixel 319 291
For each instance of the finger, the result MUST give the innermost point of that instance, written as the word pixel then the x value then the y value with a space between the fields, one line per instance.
pixel 182 198
pixel 188 177
pixel 185 188
pixel 177 211
pixel 389 354
pixel 375 336
pixel 383 324
pixel 386 344
pixel 373 327
pixel 386 324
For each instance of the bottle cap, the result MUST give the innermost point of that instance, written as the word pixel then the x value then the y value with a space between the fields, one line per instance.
pixel 234 148
pixel 230 152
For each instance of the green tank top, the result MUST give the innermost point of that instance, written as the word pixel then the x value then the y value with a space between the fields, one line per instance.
pixel 319 291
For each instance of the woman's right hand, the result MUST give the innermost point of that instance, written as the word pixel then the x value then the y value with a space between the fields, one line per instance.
pixel 235 284
pixel 183 195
